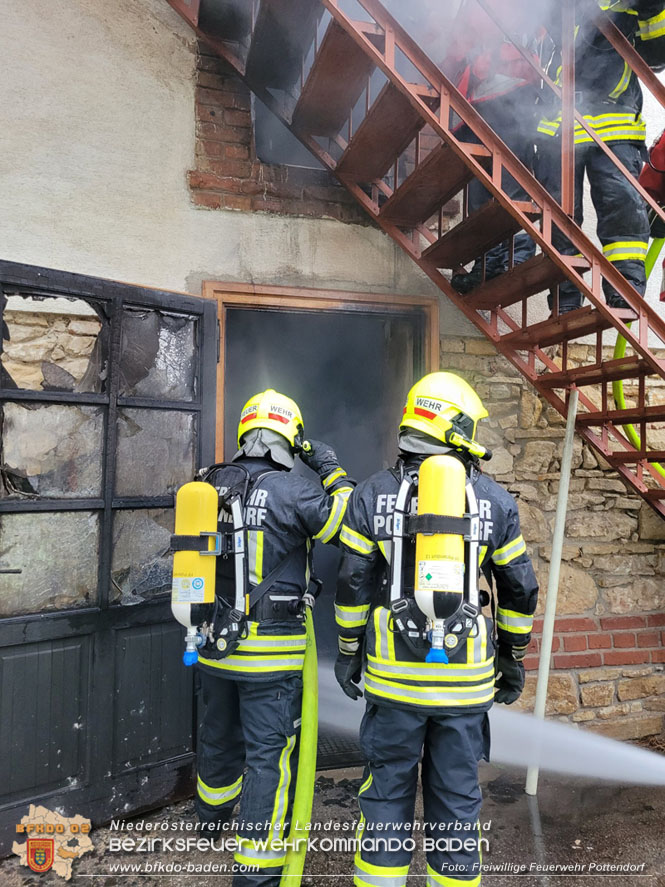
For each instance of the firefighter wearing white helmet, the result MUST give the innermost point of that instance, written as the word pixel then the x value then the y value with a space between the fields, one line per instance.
pixel 250 665
pixel 409 614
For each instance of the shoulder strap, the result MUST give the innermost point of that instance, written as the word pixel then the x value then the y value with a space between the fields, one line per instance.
pixel 256 594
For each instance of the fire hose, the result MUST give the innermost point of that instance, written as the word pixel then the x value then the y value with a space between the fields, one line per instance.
pixel 620 351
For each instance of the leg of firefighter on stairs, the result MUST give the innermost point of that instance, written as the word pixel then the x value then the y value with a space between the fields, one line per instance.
pixel 553 578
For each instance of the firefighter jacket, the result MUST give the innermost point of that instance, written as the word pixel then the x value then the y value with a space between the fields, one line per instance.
pixel 283 513
pixel 394 676
pixel 482 62
pixel 607 92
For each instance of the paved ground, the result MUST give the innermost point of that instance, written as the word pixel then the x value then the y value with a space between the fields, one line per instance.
pixel 574 824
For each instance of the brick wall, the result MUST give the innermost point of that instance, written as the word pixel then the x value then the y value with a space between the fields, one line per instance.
pixel 228 175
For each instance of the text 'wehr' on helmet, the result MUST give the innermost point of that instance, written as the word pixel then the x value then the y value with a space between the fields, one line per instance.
pixel 274 411
pixel 443 404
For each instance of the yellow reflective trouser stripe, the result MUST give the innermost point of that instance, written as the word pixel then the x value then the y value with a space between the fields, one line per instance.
pixel 387 878
pixel 351 617
pixel 332 477
pixel 361 822
pixel 384 646
pixel 380 875
pixel 651 28
pixel 434 879
pixel 255 556
pixel 216 796
pixel 282 794
pixel 511 620
pixel 260 851
pixel 429 696
pixel 509 552
pixel 356 541
pixel 626 250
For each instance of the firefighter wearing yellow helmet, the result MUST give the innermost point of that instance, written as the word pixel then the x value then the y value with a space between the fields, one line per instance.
pixel 409 613
pixel 251 662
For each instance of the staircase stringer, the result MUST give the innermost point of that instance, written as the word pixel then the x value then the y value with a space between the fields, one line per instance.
pixel 504 159
pixel 489 328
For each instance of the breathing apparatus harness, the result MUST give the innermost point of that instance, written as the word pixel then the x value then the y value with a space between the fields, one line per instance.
pixel 416 629
pixel 222 629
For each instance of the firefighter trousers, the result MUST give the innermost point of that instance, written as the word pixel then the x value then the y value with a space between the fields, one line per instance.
pixel 248 750
pixel 512 117
pixel 623 223
pixel 451 745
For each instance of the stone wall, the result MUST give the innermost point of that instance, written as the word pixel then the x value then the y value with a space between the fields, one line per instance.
pixel 609 643
pixel 38 340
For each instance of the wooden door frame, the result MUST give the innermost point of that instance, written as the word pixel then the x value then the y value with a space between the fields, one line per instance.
pixel 239 295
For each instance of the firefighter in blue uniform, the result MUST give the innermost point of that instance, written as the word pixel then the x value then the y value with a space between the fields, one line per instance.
pixel 252 696
pixel 609 96
pixel 416 707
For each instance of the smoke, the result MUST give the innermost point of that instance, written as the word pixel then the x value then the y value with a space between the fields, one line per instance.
pixel 521 740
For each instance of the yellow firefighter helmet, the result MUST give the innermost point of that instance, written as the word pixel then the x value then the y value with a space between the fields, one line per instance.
pixel 275 411
pixel 441 403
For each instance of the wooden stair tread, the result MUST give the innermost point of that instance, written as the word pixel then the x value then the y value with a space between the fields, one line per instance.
pixel 562 328
pixel 536 275
pixel 479 232
pixel 338 76
pixel 629 457
pixel 629 416
pixel 610 371
pixel 387 129
pixel 438 178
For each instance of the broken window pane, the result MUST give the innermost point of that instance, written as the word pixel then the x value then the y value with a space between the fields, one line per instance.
pixel 52 343
pixel 56 553
pixel 52 450
pixel 142 563
pixel 156 452
pixel 158 355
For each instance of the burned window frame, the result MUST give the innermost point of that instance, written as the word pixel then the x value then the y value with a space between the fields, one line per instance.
pixel 112 298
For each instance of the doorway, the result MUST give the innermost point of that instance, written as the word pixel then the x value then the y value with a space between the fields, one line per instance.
pixel 348 360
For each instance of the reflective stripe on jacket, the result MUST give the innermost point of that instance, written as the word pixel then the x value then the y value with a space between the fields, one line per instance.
pixel 607 92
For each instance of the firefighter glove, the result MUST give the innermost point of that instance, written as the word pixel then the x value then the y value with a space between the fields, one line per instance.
pixel 509 682
pixel 348 670
pixel 320 457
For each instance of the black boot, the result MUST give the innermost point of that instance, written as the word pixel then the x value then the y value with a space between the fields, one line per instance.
pixel 464 283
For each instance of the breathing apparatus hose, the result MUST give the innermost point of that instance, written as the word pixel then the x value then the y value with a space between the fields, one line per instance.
pixel 304 795
pixel 620 351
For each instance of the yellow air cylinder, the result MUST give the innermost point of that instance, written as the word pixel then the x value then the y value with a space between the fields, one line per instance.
pixel 193 573
pixel 439 580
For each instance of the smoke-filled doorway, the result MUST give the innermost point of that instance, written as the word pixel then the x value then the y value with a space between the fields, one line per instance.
pixel 348 365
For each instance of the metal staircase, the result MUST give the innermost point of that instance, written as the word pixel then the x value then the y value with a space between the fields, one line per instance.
pixel 358 91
